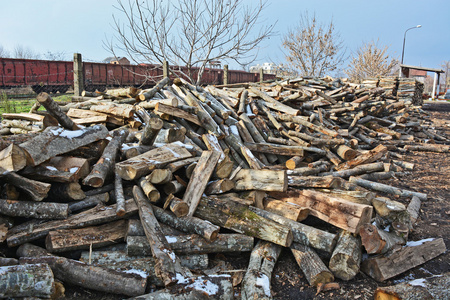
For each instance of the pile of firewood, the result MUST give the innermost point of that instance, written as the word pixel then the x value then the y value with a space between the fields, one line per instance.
pixel 147 183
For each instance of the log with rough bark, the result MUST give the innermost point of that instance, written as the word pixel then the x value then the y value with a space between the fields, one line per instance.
pixel 286 209
pixel 358 170
pixel 276 149
pixel 311 265
pixel 30 280
pixel 414 209
pixel 167 263
pixel 31 209
pixel 151 131
pixel 381 187
pixel 274 104
pixel 224 164
pixel 391 211
pixel 83 238
pixel 314 182
pixel 199 179
pixel 12 158
pixel 365 158
pixel 428 148
pixel 35 189
pixel 346 258
pixel 219 186
pixel 104 168
pixel 378 241
pixel 59 169
pixel 256 282
pixel 66 191
pixel 262 180
pixel 160 176
pixel 150 191
pixel 238 217
pixel 149 94
pixel 176 205
pixel 89 201
pixel 55 140
pixel 294 162
pixel 383 267
pixel 177 112
pixel 55 111
pixel 119 110
pixel 89 217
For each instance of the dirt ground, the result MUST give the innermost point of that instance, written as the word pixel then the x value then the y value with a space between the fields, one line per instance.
pixel 431 174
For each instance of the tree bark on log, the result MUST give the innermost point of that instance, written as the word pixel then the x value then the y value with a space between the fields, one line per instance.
pixel 59 169
pixel 346 258
pixel 35 189
pixel 312 266
pixel 167 263
pixel 151 131
pixel 143 164
pixel 30 280
pixel 414 209
pixel 66 191
pixel 31 209
pixel 261 180
pixel 54 141
pixel 238 217
pixel 286 209
pixel 371 156
pixel 256 282
pixel 90 201
pixel 55 111
pixel 118 110
pixel 219 186
pixel 358 170
pixel 276 149
pixel 148 95
pixel 314 182
pixel 377 241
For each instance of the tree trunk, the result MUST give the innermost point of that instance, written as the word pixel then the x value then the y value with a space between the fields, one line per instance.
pixel 346 258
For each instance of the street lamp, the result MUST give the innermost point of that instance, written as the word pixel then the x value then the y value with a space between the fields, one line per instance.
pixel 404 39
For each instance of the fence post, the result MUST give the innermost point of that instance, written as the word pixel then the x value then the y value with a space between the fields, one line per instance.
pixel 78 80
pixel 261 75
pixel 225 74
pixel 165 69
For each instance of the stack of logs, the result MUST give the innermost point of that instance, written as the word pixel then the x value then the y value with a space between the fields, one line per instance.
pixel 148 183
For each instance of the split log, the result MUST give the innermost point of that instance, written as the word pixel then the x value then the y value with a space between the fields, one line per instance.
pixel 302 234
pixel 346 258
pixel 380 187
pixel 54 141
pixel 199 179
pixel 377 241
pixel 30 280
pixel 12 158
pixel 35 189
pixel 63 240
pixel 414 254
pixel 86 218
pixel 55 111
pixel 167 265
pixel 314 182
pixel 59 169
pixel 92 277
pixel 143 164
pixel 187 244
pixel 31 209
pixel 262 180
pixel 238 217
pixel 391 211
pixel 286 209
pixel 256 282
pixel 371 156
pixel 312 266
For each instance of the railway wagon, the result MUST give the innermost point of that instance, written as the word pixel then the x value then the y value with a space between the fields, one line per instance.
pixel 57 76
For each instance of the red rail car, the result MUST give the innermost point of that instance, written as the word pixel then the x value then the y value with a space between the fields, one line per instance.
pixel 57 76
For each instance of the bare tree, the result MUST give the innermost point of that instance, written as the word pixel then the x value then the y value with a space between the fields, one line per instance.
pixel 190 33
pixel 3 52
pixel 370 60
pixel 313 48
pixel 25 53
pixel 55 55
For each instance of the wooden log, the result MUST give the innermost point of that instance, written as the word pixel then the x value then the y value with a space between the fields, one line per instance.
pixel 90 201
pixel 302 234
pixel 55 111
pixel 428 148
pixel 143 164
pixel 256 282
pixel 346 258
pixel 31 209
pixel 149 190
pixel 345 152
pixel 371 156
pixel 160 176
pixel 377 241
pixel 12 158
pixel 380 187
pixel 151 104
pixel 286 209
pixel 119 194
pixel 199 179
pixel 92 277
pixel 276 149
pixel 86 218
pixel 361 197
pixel 311 265
pixel 149 94
pixel 66 191
pixel 30 280
pixel 224 164
pixel 414 209
pixel 59 169
pixel 63 240
pixel 173 187
pixel 129 92
pixel 54 141
pixel 294 162
pixel 358 170
pixel 238 217
pixel 219 186
pixel 383 267
pixel 187 224
pixel 91 152
pixel 151 131
pixel 391 211
pixel 255 134
pixel 188 244
pixel 434 287
pixel 8 261
pixel 242 102
pixel 262 180
pixel 35 189
pixel 274 104
pixel 175 166
pixel 176 205
pixel 314 182
pixel 119 110
pixel 304 122
pixel 177 112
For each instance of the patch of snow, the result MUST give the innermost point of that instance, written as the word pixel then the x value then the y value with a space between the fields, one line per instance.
pixel 234 130
pixel 418 243
pixel 387 228
pixel 137 272
pixel 181 279
pixel 171 239
pixel 418 282
pixel 170 253
pixel 205 286
pixel 51 168
pixel 70 134
pixel 264 282
pixel 73 170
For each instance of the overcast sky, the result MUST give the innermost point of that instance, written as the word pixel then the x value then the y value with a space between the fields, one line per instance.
pixel 82 25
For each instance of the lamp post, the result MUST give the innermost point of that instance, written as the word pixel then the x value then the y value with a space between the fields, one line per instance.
pixel 404 39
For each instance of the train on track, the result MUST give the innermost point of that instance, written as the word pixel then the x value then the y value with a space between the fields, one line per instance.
pixel 57 76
